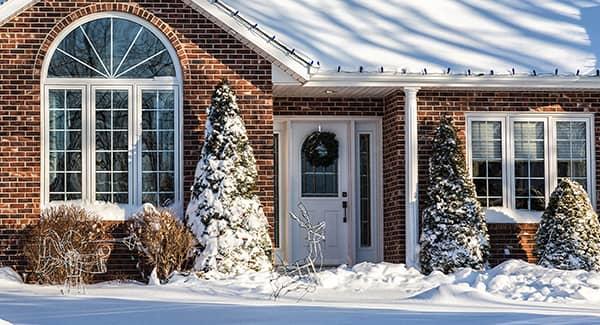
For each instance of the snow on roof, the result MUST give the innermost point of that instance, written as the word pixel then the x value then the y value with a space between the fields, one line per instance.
pixel 411 36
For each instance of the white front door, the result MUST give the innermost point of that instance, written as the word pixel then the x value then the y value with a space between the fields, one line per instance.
pixel 323 190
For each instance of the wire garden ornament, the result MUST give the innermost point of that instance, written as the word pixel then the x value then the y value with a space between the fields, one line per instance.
pixel 302 275
pixel 59 253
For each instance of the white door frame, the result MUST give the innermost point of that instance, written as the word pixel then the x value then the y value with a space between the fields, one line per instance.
pixel 282 125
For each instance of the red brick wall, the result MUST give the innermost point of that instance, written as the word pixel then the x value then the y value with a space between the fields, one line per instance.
pixel 432 104
pixel 394 179
pixel 512 240
pixel 206 53
pixel 328 106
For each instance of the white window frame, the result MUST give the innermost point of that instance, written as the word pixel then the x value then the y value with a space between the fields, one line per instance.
pixel 508 213
pixel 502 121
pixel 135 87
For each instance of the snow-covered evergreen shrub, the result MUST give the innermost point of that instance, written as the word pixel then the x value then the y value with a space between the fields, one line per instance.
pixel 162 241
pixel 75 227
pixel 569 234
pixel 224 212
pixel 454 232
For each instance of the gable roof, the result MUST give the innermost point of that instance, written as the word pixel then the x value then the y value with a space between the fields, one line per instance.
pixel 393 43
pixel 417 36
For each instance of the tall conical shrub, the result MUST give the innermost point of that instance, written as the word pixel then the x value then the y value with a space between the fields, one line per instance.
pixel 454 232
pixel 569 234
pixel 224 212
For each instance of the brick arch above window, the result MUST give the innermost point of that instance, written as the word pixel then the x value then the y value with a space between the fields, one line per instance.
pixel 128 8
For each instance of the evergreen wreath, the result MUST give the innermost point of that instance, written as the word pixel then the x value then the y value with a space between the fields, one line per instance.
pixel 321 148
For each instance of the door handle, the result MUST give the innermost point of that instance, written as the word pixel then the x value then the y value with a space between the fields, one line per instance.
pixel 345 206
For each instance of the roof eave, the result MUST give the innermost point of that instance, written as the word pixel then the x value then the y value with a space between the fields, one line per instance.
pixel 452 81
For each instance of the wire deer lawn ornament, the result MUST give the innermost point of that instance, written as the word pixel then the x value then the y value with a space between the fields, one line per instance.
pixel 302 274
pixel 59 253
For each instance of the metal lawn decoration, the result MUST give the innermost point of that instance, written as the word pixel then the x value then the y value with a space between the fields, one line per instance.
pixel 302 275
pixel 59 253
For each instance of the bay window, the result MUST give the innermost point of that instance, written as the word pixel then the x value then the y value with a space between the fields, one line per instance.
pixel 517 159
pixel 111 121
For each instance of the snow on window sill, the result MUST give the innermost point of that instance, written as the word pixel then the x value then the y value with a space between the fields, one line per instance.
pixel 112 212
pixel 505 215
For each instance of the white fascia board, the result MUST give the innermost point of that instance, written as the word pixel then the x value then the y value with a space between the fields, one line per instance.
pixel 451 81
pixel 282 78
pixel 251 39
pixel 14 7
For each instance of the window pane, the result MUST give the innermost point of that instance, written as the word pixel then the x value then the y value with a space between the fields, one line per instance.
pixel 319 181
pixel 64 139
pixel 112 150
pixel 364 149
pixel 571 146
pixel 529 165
pixel 158 147
pixel 494 168
pixel 479 168
pixel 486 153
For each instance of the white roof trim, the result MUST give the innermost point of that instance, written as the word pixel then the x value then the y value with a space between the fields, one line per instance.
pixel 452 81
pixel 14 7
pixel 251 38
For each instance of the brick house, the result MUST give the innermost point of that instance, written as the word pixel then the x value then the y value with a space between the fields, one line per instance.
pixel 103 103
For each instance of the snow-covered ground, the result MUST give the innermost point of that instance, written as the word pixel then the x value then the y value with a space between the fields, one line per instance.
pixel 512 293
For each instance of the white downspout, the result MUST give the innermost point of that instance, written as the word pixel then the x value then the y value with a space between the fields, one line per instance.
pixel 412 177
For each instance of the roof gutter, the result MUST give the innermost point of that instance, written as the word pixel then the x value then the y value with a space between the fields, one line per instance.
pixel 452 81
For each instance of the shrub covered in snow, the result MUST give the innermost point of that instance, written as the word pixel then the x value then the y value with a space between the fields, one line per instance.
pixel 224 212
pixel 76 229
pixel 454 232
pixel 162 241
pixel 569 234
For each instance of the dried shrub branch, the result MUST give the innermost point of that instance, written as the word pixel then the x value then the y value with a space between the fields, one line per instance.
pixel 162 241
pixel 76 227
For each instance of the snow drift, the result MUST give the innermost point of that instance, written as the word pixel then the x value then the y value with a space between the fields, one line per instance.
pixel 514 280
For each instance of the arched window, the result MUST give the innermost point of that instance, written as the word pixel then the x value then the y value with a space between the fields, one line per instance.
pixel 112 116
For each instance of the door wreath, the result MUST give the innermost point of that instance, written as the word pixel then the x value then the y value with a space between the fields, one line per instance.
pixel 321 149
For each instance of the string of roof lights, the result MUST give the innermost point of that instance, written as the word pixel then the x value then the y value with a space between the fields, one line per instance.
pixel 269 38
pixel 469 72
pixel 304 59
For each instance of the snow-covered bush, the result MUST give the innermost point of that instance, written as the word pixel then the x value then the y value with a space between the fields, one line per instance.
pixel 224 212
pixel 569 234
pixel 454 232
pixel 162 241
pixel 76 229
